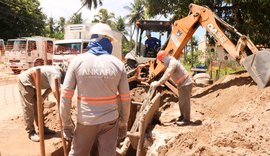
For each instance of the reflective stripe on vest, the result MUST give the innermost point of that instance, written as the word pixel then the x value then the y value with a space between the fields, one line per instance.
pixel 124 97
pixel 97 100
pixel 67 93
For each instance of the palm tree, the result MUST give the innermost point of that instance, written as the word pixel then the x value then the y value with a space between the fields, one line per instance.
pixel 120 25
pixel 76 19
pixel 91 3
pixel 137 12
pixel 61 24
pixel 51 23
pixel 104 16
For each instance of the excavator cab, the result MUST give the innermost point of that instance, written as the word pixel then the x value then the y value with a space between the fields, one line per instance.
pixel 159 32
pixel 141 55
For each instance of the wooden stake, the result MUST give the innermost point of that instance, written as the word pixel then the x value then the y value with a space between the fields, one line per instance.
pixel 56 82
pixel 40 113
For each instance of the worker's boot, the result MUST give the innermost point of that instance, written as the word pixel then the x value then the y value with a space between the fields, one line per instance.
pixel 47 131
pixel 183 122
pixel 180 118
pixel 33 136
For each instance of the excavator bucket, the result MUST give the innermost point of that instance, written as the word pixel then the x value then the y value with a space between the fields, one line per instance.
pixel 258 66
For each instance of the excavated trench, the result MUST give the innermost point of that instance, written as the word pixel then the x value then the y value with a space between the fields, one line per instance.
pixel 138 96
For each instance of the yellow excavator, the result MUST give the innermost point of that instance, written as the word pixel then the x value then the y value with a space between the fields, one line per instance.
pixel 257 64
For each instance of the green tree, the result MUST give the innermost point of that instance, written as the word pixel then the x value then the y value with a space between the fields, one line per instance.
pixel 61 24
pixel 54 28
pixel 193 43
pixel 59 28
pixel 104 16
pixel 51 25
pixel 137 12
pixel 20 18
pixel 248 17
pixel 120 25
pixel 91 3
pixel 76 19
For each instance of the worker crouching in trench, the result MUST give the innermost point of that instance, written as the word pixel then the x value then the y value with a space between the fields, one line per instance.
pixel 27 88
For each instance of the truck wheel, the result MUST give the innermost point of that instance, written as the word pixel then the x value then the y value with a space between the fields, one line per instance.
pixel 16 71
pixel 49 62
pixel 38 62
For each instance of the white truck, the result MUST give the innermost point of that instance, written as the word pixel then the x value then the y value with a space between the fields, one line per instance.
pixel 27 52
pixel 76 39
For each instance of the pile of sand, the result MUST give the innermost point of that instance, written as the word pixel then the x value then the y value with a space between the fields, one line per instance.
pixel 235 121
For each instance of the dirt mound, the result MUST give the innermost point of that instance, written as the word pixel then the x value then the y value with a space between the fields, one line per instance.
pixel 235 117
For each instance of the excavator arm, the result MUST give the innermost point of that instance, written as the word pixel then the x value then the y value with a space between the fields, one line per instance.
pixel 184 28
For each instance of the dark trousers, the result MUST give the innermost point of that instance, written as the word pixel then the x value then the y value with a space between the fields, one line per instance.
pixel 184 101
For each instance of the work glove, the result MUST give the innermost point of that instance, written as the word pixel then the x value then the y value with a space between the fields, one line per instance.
pixel 154 84
pixel 122 133
pixel 68 134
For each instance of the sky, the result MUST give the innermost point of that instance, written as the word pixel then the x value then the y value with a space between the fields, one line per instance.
pixel 66 8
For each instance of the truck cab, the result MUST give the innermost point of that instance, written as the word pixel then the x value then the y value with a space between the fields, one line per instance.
pixel 24 53
pixel 76 39
pixel 65 50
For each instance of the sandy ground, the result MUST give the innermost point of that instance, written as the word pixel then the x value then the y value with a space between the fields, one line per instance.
pixel 13 138
pixel 235 121
pixel 234 113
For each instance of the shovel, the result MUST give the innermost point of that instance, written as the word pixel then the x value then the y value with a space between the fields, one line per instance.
pixel 258 66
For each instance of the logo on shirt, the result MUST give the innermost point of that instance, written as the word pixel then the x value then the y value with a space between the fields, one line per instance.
pixel 98 63
pixel 100 70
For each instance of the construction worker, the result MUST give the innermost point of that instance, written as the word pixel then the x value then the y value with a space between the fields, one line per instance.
pixel 151 45
pixel 179 75
pixel 27 88
pixel 103 97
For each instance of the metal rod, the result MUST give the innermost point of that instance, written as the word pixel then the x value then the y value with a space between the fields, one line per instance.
pixel 56 82
pixel 40 113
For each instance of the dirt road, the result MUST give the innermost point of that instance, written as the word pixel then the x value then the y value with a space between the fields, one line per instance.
pixel 234 112
pixel 14 139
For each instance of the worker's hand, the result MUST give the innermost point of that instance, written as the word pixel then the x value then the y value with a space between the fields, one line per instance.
pixel 122 133
pixel 154 84
pixel 68 133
